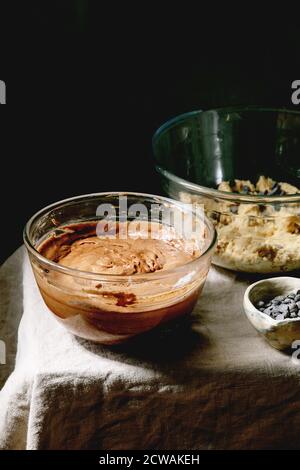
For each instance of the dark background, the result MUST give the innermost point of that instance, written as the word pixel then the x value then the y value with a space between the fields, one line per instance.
pixel 87 89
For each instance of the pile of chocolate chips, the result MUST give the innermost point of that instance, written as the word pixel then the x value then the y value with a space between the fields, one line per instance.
pixel 281 307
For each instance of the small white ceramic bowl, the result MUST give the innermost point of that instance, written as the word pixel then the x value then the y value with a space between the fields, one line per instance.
pixel 280 333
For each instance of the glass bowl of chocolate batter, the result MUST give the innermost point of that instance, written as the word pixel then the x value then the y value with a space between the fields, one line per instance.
pixel 110 266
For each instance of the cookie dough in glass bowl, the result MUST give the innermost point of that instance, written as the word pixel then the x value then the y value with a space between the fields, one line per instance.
pixel 243 166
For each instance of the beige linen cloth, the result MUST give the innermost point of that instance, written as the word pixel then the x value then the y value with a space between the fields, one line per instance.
pixel 213 383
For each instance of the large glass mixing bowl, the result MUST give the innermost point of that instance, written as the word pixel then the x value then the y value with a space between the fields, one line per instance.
pixel 197 151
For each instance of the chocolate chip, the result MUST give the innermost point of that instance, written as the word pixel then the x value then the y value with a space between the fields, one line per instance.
pixel 274 190
pixel 293 308
pixel 261 207
pixel 245 189
pixel 215 216
pixel 291 296
pixel 268 311
pixel 279 297
pixel 283 308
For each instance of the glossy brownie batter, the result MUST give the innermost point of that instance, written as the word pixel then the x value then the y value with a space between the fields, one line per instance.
pixel 114 307
pixel 146 249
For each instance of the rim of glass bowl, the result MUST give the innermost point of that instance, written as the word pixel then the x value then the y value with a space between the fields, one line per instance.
pixel 114 277
pixel 203 190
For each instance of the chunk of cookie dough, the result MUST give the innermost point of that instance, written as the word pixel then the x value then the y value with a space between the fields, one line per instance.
pixel 264 185
pixel 224 186
pixel 243 186
pixel 289 188
pixel 238 186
